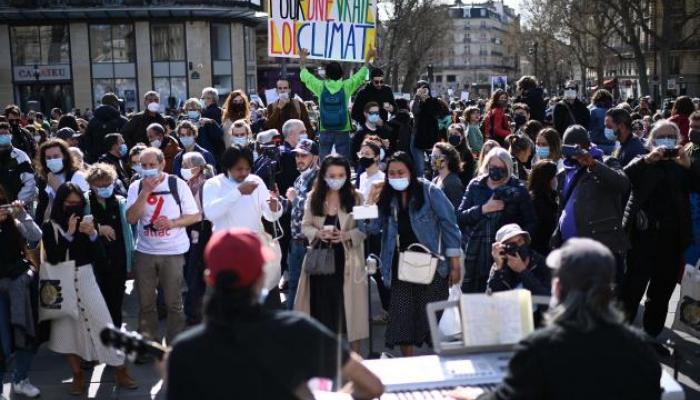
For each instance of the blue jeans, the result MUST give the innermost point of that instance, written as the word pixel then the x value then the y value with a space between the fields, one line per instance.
pixel 23 357
pixel 418 160
pixel 341 140
pixel 297 251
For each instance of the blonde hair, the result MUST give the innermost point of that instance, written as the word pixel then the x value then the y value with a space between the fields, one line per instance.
pixel 192 101
pixel 241 124
pixel 500 153
pixel 100 172
pixel 187 125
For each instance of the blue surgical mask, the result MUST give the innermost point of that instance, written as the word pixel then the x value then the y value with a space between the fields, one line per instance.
pixel 668 143
pixel 123 149
pixel 193 115
pixel 303 136
pixel 5 140
pixel 240 140
pixel 399 184
pixel 55 165
pixel 187 141
pixel 149 173
pixel 542 151
pixel 105 192
pixel 137 169
pixel 373 118
pixel 610 134
pixel 335 184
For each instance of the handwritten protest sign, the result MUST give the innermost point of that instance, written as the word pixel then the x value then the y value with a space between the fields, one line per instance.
pixel 341 30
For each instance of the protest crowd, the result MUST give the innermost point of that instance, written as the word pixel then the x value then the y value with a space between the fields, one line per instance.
pixel 217 204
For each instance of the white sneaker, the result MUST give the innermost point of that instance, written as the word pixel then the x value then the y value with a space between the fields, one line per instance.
pixel 26 388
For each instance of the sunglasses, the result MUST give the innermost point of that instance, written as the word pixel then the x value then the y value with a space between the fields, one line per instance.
pixel 379 82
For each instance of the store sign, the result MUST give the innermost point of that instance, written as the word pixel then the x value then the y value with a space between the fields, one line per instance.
pixel 42 73
pixel 342 30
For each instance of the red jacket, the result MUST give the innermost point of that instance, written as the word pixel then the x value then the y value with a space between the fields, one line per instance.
pixel 500 121
pixel 683 124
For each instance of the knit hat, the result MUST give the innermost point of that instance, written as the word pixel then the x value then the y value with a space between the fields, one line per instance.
pixel 110 99
pixel 375 72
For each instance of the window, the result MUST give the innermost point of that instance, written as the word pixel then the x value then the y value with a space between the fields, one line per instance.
pixel 169 64
pixel 113 55
pixel 221 58
pixel 40 45
pixel 249 41
pixel 438 78
pixel 451 78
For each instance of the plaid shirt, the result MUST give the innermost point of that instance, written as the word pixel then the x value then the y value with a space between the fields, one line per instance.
pixel 302 185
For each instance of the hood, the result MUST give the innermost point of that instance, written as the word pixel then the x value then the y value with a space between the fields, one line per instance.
pixel 106 113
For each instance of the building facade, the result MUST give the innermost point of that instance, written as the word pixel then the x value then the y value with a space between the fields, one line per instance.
pixel 481 46
pixel 68 53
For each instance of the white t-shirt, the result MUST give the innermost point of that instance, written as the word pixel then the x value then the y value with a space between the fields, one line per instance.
pixel 161 203
pixel 366 183
pixel 78 178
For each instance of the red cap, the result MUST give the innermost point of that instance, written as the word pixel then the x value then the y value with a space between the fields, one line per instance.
pixel 237 250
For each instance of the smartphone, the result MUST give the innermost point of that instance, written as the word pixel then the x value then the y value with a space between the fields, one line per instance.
pixel 671 153
pixel 328 227
pixel 87 218
pixel 571 150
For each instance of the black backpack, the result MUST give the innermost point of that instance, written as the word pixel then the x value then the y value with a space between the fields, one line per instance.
pixel 172 190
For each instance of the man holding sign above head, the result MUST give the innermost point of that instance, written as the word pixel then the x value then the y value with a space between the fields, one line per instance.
pixel 334 94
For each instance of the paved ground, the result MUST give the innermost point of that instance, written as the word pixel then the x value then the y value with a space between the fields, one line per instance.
pixel 51 374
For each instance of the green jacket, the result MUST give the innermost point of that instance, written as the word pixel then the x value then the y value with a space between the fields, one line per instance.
pixel 350 85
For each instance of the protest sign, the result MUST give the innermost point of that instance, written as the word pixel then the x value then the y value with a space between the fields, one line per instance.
pixel 341 30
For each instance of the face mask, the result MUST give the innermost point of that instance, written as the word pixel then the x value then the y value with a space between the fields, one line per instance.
pixel 149 173
pixel 694 136
pixel 382 154
pixel 203 103
pixel 77 210
pixel 454 140
pixel 542 151
pixel 502 103
pixel 668 143
pixel 519 119
pixel 37 138
pixel 365 162
pixel 335 184
pixel 283 95
pixel 186 173
pixel 303 136
pixel 55 165
pixel 153 107
pixel 193 115
pixel 373 118
pixel 137 169
pixel 240 141
pixel 5 140
pixel 497 173
pixel 570 94
pixel 156 143
pixel 610 134
pixel 105 192
pixel 123 150
pixel 399 184
pixel 187 141
pixel 436 162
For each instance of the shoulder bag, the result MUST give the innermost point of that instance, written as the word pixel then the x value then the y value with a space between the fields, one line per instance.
pixel 57 291
pixel 418 266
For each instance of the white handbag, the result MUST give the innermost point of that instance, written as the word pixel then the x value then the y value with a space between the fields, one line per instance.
pixel 687 317
pixel 418 266
pixel 57 295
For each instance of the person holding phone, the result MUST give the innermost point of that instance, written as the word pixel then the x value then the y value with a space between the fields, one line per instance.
pixel 339 300
pixel 658 219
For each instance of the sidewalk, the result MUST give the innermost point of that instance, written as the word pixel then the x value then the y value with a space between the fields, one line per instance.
pixel 51 374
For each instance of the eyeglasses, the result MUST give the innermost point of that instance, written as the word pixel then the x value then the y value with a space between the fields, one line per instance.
pixel 379 82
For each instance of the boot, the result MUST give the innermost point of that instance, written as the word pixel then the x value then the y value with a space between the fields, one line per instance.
pixel 78 386
pixel 123 380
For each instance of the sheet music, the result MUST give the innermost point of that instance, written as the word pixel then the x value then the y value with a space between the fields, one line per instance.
pixel 499 318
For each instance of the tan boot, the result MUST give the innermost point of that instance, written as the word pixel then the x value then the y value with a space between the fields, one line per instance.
pixel 123 380
pixel 77 388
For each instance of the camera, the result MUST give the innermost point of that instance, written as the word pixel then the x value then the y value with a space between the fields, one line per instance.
pixel 510 249
pixel 671 153
pixel 506 193
pixel 569 150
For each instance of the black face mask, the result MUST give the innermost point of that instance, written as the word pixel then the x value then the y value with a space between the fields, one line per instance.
pixel 694 136
pixel 238 107
pixel 497 173
pixel 365 162
pixel 454 140
pixel 519 119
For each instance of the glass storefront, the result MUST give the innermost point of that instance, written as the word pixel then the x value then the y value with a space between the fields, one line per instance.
pixel 41 66
pixel 221 58
pixel 113 55
pixel 169 64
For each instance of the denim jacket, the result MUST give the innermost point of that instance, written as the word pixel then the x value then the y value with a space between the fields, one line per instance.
pixel 434 220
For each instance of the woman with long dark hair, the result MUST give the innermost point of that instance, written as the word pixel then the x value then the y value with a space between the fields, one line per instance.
pixel 338 300
pixel 542 185
pixel 17 323
pixel 413 210
pixel 235 107
pixel 70 236
pixel 496 121
pixel 458 139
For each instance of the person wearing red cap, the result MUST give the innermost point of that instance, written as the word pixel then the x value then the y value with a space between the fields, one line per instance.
pixel 249 352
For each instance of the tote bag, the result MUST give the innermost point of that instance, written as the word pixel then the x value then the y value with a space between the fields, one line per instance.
pixel 687 317
pixel 57 297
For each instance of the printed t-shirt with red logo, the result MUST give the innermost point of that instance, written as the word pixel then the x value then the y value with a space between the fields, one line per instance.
pixel 162 203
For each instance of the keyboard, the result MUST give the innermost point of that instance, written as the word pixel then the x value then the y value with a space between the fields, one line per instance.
pixel 434 394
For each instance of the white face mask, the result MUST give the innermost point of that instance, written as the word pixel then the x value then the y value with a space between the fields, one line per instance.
pixel 570 94
pixel 153 107
pixel 187 173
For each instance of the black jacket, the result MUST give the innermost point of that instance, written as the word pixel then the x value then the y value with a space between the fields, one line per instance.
pixel 537 278
pixel 598 208
pixel 425 128
pixel 562 117
pixel 535 100
pixel 546 209
pixel 135 130
pixel 116 162
pixel 611 362
pixel 212 111
pixel 106 119
pixel 370 93
pixel 661 196
pixel 402 125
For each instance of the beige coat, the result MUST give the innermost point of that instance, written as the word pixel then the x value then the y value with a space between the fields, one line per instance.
pixel 354 281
